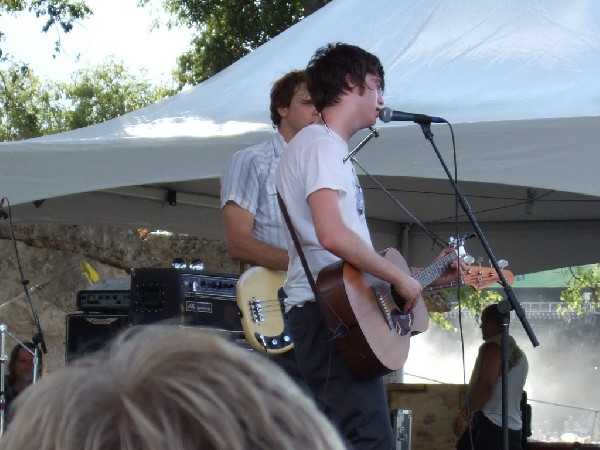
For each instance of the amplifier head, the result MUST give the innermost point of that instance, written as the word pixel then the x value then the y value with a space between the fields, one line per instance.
pixel 193 299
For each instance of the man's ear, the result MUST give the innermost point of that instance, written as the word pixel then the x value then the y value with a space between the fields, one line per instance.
pixel 282 111
pixel 350 82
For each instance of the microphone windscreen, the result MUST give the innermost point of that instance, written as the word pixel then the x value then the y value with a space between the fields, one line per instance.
pixel 385 115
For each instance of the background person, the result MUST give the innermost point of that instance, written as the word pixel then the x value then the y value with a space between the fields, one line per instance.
pixel 254 230
pixel 484 393
pixel 253 226
pixel 168 388
pixel 20 373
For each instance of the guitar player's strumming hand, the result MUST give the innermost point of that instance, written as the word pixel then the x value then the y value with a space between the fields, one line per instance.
pixel 409 290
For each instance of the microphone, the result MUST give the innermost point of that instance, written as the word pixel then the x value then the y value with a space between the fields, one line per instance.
pixel 387 115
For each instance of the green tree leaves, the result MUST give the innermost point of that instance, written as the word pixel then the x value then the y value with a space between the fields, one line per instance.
pixel 106 91
pixel 583 290
pixel 31 107
pixel 227 30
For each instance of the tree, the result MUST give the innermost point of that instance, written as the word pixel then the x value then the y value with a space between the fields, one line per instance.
pixel 60 13
pixel 32 108
pixel 29 108
pixel 229 29
pixel 583 290
pixel 106 91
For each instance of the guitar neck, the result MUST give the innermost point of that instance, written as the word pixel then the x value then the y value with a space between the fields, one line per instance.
pixel 432 272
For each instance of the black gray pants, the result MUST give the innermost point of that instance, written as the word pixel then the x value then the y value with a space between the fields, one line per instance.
pixel 359 409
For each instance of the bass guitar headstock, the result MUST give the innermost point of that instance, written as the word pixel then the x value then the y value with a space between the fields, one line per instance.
pixel 478 278
pixel 481 277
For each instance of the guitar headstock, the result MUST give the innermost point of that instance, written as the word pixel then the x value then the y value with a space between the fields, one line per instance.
pixel 481 277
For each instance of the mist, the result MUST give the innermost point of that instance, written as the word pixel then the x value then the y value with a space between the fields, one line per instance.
pixel 564 370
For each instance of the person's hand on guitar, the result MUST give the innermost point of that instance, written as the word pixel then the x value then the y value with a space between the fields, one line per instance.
pixel 453 270
pixel 409 290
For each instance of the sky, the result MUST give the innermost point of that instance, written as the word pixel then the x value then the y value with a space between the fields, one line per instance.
pixel 118 28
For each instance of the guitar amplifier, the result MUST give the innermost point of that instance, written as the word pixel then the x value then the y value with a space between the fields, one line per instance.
pixel 106 301
pixel 200 298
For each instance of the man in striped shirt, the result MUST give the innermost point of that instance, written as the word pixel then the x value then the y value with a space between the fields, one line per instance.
pixel 254 229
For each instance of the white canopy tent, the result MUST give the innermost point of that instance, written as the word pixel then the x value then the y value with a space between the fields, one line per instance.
pixel 518 81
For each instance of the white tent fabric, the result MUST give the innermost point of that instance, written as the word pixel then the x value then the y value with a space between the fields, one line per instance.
pixel 518 81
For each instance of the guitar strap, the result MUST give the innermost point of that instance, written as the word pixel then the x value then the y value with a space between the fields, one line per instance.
pixel 329 319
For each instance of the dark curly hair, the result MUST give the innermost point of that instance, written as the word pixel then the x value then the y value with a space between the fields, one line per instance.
pixel 330 67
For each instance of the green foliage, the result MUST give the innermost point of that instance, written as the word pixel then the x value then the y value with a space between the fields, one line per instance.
pixel 226 30
pixel 583 290
pixel 106 91
pixel 470 299
pixel 27 106
pixel 60 12
pixel 32 108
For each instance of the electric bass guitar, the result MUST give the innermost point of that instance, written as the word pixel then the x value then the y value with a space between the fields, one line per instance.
pixel 365 313
pixel 261 310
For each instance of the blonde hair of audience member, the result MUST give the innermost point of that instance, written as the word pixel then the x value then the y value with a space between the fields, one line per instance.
pixel 162 387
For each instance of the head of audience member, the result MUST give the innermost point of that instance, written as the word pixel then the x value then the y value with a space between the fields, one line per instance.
pixel 336 68
pixel 167 387
pixel 20 365
pixel 491 321
pixel 291 106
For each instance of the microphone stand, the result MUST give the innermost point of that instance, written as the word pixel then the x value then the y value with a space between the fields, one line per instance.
pixel 503 306
pixel 38 338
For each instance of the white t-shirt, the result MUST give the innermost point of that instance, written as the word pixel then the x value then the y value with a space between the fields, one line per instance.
pixel 313 160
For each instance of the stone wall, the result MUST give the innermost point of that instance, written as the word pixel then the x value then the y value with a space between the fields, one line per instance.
pixel 50 258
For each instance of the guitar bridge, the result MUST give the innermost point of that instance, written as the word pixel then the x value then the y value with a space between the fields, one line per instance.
pixel 383 306
pixel 256 311
pixel 402 322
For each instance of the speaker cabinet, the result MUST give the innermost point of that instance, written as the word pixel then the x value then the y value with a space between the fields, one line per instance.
pixel 212 312
pixel 156 296
pixel 87 333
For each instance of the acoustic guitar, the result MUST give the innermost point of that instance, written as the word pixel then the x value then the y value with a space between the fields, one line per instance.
pixel 365 313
